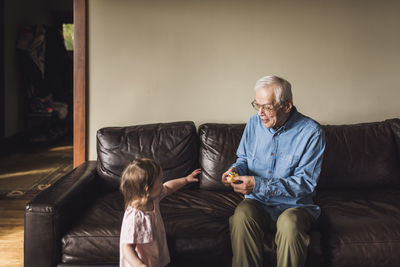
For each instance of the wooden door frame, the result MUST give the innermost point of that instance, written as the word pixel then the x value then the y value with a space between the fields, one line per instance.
pixel 80 81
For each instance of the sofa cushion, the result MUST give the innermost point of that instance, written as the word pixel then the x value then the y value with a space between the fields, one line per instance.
pixel 218 145
pixel 197 226
pixel 173 145
pixel 196 223
pixel 395 125
pixel 360 156
pixel 360 228
pixel 95 237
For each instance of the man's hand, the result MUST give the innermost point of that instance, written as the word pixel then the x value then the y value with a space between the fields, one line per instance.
pixel 225 174
pixel 247 185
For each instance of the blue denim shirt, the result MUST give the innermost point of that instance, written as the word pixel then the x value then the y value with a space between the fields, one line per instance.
pixel 285 163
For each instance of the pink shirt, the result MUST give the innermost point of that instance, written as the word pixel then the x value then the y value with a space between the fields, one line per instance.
pixel 146 230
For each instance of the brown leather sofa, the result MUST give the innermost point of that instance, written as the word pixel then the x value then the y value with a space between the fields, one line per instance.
pixel 76 222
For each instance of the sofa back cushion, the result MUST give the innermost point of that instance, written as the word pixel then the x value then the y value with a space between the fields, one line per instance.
pixel 173 145
pixel 361 156
pixel 218 145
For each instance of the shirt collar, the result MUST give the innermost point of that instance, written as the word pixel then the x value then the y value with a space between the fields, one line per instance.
pixel 289 123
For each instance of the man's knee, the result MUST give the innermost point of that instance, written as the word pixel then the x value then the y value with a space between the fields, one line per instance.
pixel 246 211
pixel 292 222
pixel 291 238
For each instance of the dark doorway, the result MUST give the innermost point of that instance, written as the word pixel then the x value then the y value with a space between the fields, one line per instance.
pixel 45 75
pixel 36 91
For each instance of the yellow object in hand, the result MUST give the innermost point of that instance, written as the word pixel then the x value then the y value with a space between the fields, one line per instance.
pixel 231 175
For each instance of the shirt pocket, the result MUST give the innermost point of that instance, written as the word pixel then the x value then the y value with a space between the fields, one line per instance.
pixel 256 166
pixel 285 165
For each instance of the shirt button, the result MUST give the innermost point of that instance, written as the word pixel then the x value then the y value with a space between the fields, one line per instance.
pixel 269 172
pixel 272 154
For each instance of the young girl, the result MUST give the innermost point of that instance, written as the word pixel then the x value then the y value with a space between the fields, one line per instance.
pixel 143 240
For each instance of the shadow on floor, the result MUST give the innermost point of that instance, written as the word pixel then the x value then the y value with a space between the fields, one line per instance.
pixel 32 168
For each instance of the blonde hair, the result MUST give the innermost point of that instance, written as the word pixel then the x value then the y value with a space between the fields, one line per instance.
pixel 137 181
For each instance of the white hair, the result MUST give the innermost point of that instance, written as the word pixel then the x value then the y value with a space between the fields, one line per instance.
pixel 283 90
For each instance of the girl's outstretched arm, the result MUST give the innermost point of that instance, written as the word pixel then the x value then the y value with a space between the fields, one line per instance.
pixel 175 184
pixel 131 256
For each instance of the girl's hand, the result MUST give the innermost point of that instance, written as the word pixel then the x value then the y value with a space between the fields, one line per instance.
pixel 192 177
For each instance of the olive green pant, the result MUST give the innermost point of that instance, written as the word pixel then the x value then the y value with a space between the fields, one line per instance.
pixel 247 226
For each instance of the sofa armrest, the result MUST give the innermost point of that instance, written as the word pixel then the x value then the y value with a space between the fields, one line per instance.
pixel 52 212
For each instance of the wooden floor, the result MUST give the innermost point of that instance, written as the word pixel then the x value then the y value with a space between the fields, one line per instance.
pixel 12 208
pixel 12 232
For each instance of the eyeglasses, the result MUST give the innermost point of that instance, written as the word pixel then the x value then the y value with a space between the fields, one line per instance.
pixel 268 108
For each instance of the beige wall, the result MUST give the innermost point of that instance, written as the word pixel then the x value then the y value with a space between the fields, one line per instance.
pixel 160 61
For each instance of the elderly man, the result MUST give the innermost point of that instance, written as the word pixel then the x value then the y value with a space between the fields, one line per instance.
pixel 279 161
